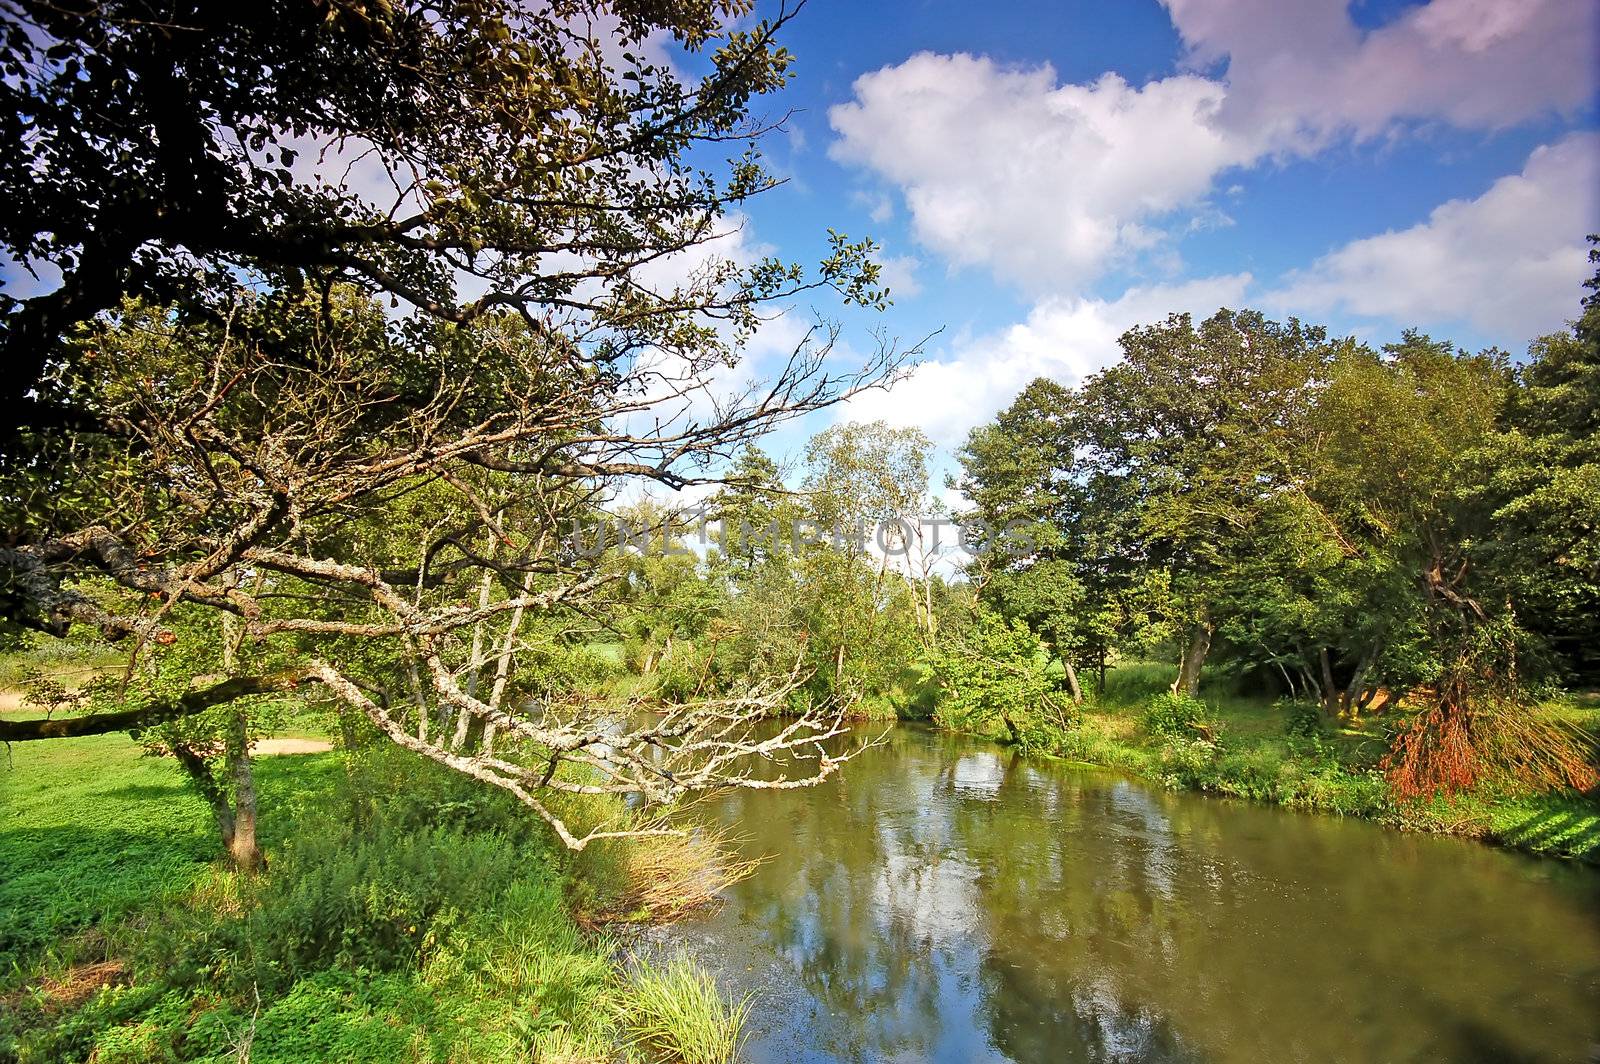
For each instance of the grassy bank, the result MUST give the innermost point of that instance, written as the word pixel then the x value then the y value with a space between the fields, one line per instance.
pixel 1265 751
pixel 406 915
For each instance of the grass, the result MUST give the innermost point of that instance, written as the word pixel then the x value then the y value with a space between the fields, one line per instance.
pixel 407 915
pixel 1252 754
pixel 676 1013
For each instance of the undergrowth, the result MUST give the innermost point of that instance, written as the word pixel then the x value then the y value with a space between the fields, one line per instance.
pixel 406 915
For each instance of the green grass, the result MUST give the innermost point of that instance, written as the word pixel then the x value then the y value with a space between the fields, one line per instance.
pixel 91 830
pixel 406 915
pixel 676 1013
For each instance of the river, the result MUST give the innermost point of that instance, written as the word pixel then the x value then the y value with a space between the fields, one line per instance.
pixel 947 900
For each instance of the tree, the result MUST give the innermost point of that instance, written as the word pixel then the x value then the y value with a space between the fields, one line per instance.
pixel 866 485
pixel 1541 477
pixel 1200 420
pixel 993 674
pixel 255 442
pixel 1060 559
pixel 1163 464
pixel 755 516
pixel 537 154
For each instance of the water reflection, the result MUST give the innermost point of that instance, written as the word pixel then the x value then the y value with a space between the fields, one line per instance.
pixel 945 900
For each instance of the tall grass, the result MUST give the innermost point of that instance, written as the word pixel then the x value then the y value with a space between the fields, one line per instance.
pixel 405 915
pixel 676 1015
pixel 1135 681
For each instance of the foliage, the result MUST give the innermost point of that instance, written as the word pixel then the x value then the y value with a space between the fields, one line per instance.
pixel 1338 525
pixel 426 922
pixel 1177 715
pixel 229 411
pixel 196 143
pixel 1301 720
pixel 994 677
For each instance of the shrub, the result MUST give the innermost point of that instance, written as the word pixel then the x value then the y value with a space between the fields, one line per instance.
pixel 683 673
pixel 379 902
pixel 993 681
pixel 1177 716
pixel 1301 720
pixel 1188 762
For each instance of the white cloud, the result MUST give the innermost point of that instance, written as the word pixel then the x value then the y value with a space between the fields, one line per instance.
pixel 1045 183
pixel 878 205
pixel 1301 71
pixel 1049 185
pixel 1065 339
pixel 900 275
pixel 1509 263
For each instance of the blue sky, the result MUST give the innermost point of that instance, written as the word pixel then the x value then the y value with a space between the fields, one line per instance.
pixel 1044 175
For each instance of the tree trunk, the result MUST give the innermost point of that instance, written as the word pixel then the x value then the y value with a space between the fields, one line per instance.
pixel 1188 681
pixel 1288 681
pixel 205 781
pixel 1357 696
pixel 246 854
pixel 1330 690
pixel 1072 682
pixel 236 820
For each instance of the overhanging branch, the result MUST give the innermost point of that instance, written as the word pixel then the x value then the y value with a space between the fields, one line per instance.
pixel 187 705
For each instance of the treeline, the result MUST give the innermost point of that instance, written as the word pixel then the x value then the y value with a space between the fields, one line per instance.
pixel 1411 527
pixel 1351 526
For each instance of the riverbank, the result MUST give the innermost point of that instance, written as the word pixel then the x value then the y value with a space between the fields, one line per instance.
pixel 430 921
pixel 1261 750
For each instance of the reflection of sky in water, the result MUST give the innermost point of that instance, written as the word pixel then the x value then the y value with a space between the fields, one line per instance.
pixel 948 901
pixel 978 774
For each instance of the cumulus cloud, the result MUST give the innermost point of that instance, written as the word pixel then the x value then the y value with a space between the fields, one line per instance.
pixel 1065 339
pixel 900 275
pixel 1049 185
pixel 1301 71
pixel 1509 262
pixel 1045 183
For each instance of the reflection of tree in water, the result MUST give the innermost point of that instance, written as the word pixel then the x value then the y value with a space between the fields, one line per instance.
pixel 948 901
pixel 1051 1019
pixel 1050 982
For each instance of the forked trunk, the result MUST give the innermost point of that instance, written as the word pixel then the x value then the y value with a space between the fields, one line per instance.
pixel 1332 705
pixel 236 819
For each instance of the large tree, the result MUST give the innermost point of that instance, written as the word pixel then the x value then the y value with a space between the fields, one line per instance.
pixel 1542 477
pixel 1155 473
pixel 362 420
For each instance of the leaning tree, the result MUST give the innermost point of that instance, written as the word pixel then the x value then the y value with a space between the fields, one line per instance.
pixel 348 312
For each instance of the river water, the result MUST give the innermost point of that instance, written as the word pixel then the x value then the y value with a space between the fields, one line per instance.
pixel 946 900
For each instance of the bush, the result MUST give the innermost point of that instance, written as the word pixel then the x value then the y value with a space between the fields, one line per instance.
pixel 381 902
pixel 1301 720
pixel 1188 763
pixel 683 673
pixel 1177 716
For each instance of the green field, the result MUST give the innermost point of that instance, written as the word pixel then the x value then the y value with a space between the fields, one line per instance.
pixel 435 927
